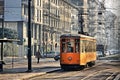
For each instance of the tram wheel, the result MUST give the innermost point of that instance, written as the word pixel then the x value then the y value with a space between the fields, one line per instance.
pixel 90 64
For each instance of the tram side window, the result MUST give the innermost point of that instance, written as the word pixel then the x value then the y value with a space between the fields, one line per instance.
pixel 90 46
pixel 77 45
pixel 83 46
pixel 94 47
pixel 87 46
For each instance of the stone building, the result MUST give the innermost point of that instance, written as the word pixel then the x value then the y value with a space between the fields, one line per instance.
pixel 49 19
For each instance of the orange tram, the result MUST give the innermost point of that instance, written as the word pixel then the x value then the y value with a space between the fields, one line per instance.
pixel 77 51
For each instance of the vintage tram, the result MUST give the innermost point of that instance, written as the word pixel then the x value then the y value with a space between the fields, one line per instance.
pixel 77 51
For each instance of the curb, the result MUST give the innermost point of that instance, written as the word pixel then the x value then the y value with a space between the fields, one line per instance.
pixel 32 75
pixel 54 70
pixel 36 74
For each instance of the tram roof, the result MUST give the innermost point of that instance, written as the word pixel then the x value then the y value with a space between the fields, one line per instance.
pixel 76 35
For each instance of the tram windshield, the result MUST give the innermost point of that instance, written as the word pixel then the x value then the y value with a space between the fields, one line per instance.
pixel 70 45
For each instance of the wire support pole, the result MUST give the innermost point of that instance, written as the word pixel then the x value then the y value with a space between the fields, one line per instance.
pixel 29 37
pixel 2 43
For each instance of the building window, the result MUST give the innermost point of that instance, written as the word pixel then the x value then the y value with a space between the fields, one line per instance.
pixel 37 15
pixel 40 15
pixel 25 10
pixel 35 32
pixel 37 2
pixel 32 13
pixel 40 2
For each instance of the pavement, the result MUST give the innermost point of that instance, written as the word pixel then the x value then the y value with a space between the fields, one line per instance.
pixel 17 70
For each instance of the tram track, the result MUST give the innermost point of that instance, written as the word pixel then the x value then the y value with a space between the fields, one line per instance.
pixel 101 71
pixel 112 77
pixel 106 74
pixel 88 77
pixel 62 73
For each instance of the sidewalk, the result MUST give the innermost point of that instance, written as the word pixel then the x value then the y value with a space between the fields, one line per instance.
pixel 18 71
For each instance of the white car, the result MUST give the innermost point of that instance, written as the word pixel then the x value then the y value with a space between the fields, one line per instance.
pixel 51 54
pixel 111 52
pixel 107 53
pixel 99 54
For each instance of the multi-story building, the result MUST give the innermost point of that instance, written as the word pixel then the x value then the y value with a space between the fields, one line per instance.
pixel 74 21
pixel 111 30
pixel 68 16
pixel 16 17
pixel 65 16
pixel 112 24
pixel 97 21
pixel 101 35
pixel 1 8
pixel 118 33
pixel 93 11
pixel 82 6
pixel 49 19
pixel 57 15
pixel 91 18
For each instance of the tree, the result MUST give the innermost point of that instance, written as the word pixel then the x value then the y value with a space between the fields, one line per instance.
pixel 9 33
pixel 10 49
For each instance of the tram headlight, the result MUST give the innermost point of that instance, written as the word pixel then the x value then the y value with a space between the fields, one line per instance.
pixel 69 58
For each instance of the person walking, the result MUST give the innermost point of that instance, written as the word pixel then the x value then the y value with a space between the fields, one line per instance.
pixel 38 56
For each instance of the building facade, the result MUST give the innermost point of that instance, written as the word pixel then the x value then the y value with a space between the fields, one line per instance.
pixel 113 24
pixel 91 18
pixel 82 6
pixel 51 23
pixel 97 21
pixel 74 21
pixel 49 19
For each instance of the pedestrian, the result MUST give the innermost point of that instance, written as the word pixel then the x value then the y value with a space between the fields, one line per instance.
pixel 38 56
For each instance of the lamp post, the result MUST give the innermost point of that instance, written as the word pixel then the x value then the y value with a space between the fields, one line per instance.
pixel 1 68
pixel 29 37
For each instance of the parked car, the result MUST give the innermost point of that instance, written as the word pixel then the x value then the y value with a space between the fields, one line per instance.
pixel 113 51
pixel 99 54
pixel 57 57
pixel 50 54
pixel 107 53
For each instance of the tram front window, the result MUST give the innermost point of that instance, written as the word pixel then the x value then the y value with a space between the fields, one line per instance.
pixel 70 46
pixel 67 45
